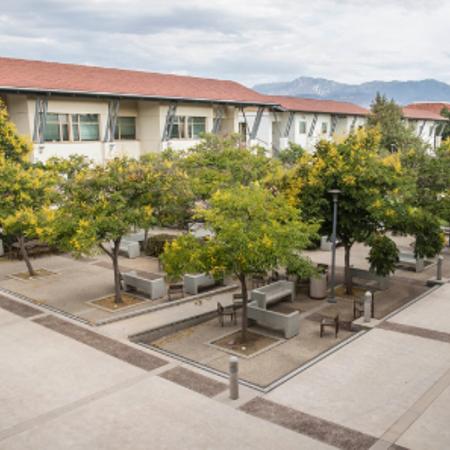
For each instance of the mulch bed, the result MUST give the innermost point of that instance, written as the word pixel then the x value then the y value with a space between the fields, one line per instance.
pixel 40 273
pixel 108 303
pixel 254 343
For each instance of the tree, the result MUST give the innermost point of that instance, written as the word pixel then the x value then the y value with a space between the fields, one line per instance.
pixel 254 231
pixel 12 146
pixel 375 195
pixel 169 191
pixel 218 163
pixel 26 193
pixel 291 154
pixel 100 205
pixel 446 127
pixel 396 135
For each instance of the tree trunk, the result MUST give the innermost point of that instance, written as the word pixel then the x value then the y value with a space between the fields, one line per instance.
pixel 243 281
pixel 347 276
pixel 115 259
pixel 114 255
pixel 23 251
pixel 145 240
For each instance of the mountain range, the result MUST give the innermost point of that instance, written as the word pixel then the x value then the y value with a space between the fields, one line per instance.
pixel 403 92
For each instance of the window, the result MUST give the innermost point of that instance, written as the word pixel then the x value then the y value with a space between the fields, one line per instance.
pixel 302 127
pixel 324 127
pixel 178 128
pixel 125 128
pixel 188 127
pixel 196 126
pixel 85 127
pixel 431 130
pixel 56 127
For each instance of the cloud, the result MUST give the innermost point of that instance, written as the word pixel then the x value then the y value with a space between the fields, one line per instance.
pixel 252 42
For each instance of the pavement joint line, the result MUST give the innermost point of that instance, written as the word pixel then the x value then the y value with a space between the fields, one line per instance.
pixel 315 427
pixel 20 297
pixel 105 344
pixel 410 416
pixel 411 330
pixel 67 408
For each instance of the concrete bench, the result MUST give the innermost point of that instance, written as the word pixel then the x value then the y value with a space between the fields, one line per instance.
pixel 194 282
pixel 289 324
pixel 272 293
pixel 376 280
pixel 151 285
pixel 409 260
pixel 130 248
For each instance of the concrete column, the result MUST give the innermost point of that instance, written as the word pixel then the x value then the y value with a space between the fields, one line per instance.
pixel 440 260
pixel 367 306
pixel 234 378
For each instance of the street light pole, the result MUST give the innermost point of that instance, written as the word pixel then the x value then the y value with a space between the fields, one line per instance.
pixel 335 193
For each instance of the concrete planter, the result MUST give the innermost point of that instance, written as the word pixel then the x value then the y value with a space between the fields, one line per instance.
pixel 318 286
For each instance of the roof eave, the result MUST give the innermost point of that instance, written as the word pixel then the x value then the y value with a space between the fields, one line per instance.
pixel 40 91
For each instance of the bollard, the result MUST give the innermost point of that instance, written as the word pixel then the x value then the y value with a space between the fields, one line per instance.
pixel 440 260
pixel 367 306
pixel 234 377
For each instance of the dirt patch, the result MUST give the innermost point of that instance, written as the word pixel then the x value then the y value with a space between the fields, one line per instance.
pixel 358 293
pixel 108 303
pixel 254 343
pixel 40 273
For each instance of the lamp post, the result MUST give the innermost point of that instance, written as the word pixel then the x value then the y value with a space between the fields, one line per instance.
pixel 334 193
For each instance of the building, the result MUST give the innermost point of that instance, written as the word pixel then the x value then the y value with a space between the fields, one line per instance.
pixel 426 122
pixel 102 113
pixel 303 121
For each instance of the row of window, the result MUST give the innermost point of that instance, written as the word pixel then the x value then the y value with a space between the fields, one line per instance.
pixel 302 127
pixel 84 127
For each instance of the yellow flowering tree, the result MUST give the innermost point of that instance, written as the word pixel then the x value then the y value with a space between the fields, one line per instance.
pixel 253 231
pixel 26 193
pixel 98 206
pixel 12 145
pixel 375 194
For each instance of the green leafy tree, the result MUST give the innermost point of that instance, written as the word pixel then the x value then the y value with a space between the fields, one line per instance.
pixel 26 193
pixel 169 191
pixel 291 154
pixel 100 205
pixel 254 231
pixel 446 127
pixel 396 135
pixel 217 163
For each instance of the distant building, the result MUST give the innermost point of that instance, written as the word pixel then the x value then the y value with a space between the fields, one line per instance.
pixel 427 122
pixel 304 122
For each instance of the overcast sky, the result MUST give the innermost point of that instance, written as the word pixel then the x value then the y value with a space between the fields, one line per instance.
pixel 249 41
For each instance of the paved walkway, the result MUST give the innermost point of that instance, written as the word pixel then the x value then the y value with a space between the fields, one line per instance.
pixel 63 385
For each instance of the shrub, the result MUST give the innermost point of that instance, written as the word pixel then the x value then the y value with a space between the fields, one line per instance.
pixel 155 244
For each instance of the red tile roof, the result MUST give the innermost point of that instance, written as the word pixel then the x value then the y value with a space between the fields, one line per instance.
pixel 40 76
pixel 318 106
pixel 435 107
pixel 419 114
